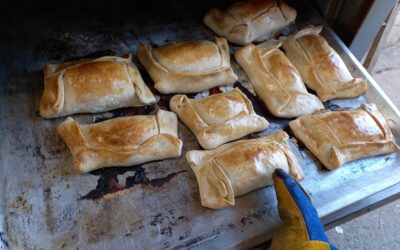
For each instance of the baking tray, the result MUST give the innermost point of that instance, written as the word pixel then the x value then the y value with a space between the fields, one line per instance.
pixel 44 204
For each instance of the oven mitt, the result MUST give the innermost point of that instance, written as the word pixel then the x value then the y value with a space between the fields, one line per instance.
pixel 301 228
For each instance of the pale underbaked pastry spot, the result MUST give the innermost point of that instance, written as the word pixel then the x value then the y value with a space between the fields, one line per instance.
pixel 276 81
pixel 188 67
pixel 337 137
pixel 92 85
pixel 320 66
pixel 250 20
pixel 240 167
pixel 218 119
pixel 123 141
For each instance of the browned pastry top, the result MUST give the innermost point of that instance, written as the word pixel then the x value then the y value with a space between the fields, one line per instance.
pixel 217 109
pixel 98 79
pixel 188 56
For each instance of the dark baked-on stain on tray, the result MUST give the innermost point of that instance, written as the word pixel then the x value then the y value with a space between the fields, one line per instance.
pixel 108 180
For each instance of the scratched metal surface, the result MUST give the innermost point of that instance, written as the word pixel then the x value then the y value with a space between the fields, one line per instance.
pixel 44 204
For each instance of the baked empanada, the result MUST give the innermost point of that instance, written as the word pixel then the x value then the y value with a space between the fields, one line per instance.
pixel 218 119
pixel 240 167
pixel 188 67
pixel 320 66
pixel 276 81
pixel 251 20
pixel 338 137
pixel 93 85
pixel 123 141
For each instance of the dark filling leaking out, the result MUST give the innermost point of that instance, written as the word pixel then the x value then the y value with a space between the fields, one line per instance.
pixel 214 91
pixel 163 103
pixel 108 180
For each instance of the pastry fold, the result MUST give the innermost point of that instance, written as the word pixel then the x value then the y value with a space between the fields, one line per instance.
pixel 320 66
pixel 92 85
pixel 123 141
pixel 240 167
pixel 218 119
pixel 188 67
pixel 276 81
pixel 337 137
pixel 251 20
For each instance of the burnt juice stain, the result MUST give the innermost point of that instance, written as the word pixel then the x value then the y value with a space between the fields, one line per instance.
pixel 140 177
pixel 108 180
pixel 96 54
pixel 107 183
pixel 158 182
pixel 145 110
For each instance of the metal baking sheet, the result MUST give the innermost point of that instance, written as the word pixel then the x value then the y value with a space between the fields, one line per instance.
pixel 44 204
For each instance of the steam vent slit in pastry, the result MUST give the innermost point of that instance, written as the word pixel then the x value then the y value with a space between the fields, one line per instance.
pixel 123 141
pixel 92 85
pixel 240 167
pixel 338 137
pixel 320 66
pixel 188 67
pixel 218 119
pixel 251 20
pixel 276 81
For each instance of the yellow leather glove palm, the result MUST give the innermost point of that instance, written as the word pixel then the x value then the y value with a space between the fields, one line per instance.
pixel 301 228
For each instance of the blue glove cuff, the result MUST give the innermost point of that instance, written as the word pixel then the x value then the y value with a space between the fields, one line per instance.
pixel 311 219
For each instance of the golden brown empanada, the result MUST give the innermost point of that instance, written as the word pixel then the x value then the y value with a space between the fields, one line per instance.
pixel 276 81
pixel 338 137
pixel 239 167
pixel 218 119
pixel 251 20
pixel 123 141
pixel 320 66
pixel 188 67
pixel 93 85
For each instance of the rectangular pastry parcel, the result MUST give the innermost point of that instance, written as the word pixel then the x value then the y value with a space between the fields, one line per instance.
pixel 188 66
pixel 123 141
pixel 337 137
pixel 218 119
pixel 240 167
pixel 320 66
pixel 92 85
pixel 276 81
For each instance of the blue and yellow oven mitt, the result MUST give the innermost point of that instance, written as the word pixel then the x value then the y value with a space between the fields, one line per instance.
pixel 301 228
